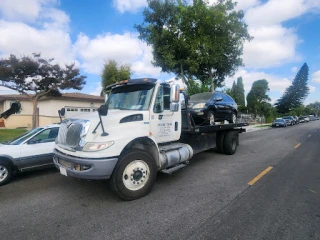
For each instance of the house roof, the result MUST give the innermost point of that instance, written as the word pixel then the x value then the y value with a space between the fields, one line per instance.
pixel 65 96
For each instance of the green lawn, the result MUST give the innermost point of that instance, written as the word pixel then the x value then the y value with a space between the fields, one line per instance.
pixel 8 134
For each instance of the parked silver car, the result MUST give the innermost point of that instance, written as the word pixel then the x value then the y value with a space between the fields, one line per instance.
pixel 31 150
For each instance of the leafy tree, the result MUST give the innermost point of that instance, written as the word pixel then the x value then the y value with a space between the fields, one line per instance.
pixel 197 41
pixel 240 93
pixel 296 93
pixel 194 87
pixel 237 93
pixel 37 77
pixel 233 91
pixel 114 72
pixel 257 97
pixel 314 108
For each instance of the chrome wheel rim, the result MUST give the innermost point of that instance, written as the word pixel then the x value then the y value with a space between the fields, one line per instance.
pixel 211 118
pixel 3 173
pixel 136 175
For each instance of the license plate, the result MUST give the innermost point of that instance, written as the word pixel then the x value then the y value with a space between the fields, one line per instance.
pixel 63 171
pixel 277 125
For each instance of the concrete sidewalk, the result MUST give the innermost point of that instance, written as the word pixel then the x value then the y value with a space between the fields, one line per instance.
pixel 257 127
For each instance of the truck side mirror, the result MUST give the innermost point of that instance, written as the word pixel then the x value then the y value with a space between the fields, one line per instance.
pixel 62 112
pixel 174 93
pixel 103 110
pixel 174 107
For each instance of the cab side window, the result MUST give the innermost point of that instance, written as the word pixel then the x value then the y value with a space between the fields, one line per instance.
pixel 162 100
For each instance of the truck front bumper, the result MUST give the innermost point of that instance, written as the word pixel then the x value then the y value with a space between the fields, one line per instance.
pixel 86 168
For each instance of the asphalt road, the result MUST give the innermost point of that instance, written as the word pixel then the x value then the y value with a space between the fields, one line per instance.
pixel 208 199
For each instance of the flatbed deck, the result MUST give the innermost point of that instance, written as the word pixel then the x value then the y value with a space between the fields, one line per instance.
pixel 215 128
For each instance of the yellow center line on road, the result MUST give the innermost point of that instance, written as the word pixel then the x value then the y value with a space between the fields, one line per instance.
pixel 253 181
pixel 296 146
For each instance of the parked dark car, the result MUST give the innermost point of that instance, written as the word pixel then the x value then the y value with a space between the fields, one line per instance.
pixel 289 120
pixel 279 123
pixel 208 108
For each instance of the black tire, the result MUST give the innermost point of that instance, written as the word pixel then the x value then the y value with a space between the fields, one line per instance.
pixel 233 118
pixel 219 141
pixel 6 172
pixel 120 183
pixel 230 142
pixel 211 118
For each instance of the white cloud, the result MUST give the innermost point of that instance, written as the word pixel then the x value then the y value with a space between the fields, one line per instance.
pixel 312 88
pixel 246 4
pixel 316 77
pixel 294 69
pixel 21 39
pixel 274 44
pixel 35 26
pixel 125 48
pixel 22 10
pixel 275 12
pixel 271 46
pixel 129 5
pixel 97 89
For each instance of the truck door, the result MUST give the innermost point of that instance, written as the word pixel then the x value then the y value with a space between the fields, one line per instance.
pixel 164 124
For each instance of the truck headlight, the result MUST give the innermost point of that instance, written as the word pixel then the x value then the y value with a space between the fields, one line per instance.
pixel 91 146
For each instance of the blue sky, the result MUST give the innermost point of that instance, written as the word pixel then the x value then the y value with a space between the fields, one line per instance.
pixel 286 34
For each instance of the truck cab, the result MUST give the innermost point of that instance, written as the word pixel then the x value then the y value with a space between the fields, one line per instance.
pixel 143 128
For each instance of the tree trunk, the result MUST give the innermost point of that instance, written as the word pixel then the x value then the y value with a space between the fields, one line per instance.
pixel 34 114
pixel 212 84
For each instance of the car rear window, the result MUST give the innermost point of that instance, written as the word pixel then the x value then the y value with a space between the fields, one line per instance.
pixel 201 96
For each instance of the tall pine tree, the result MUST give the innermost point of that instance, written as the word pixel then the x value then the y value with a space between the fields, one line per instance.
pixel 296 93
pixel 240 94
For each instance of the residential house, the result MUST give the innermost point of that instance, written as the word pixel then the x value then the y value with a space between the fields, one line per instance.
pixel 74 104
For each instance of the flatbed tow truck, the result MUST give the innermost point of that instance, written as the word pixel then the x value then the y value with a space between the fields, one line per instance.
pixel 144 127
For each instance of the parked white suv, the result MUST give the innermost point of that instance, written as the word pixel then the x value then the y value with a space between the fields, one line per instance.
pixel 31 150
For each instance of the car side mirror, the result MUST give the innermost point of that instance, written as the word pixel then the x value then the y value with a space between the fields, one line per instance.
pixel 33 141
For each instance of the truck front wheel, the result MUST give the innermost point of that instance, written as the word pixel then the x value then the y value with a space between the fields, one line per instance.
pixel 134 175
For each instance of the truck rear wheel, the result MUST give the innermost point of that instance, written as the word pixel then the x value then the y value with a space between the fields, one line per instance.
pixel 230 142
pixel 6 172
pixel 219 141
pixel 134 175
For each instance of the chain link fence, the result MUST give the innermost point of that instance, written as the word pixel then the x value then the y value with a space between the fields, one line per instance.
pixel 249 118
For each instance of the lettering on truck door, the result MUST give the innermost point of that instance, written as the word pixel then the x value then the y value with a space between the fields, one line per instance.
pixel 164 124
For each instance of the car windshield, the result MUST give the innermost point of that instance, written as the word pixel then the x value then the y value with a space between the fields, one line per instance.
pixel 23 137
pixel 134 97
pixel 278 120
pixel 287 117
pixel 201 96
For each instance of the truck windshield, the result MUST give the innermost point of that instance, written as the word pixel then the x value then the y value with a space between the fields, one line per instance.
pixel 24 137
pixel 134 97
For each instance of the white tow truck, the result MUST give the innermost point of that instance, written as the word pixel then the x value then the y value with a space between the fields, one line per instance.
pixel 144 127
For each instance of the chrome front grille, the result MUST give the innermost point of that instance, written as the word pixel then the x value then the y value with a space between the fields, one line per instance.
pixel 71 131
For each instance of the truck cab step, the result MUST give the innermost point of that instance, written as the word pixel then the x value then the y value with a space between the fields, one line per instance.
pixel 174 169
